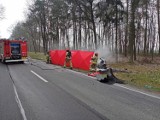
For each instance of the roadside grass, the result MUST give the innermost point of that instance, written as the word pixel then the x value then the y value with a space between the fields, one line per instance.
pixel 143 76
pixel 38 56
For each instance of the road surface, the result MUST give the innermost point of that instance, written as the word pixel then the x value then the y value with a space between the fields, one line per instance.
pixel 39 91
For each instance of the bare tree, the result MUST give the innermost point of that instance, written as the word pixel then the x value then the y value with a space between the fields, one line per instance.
pixel 158 18
pixel 134 4
pixel 2 10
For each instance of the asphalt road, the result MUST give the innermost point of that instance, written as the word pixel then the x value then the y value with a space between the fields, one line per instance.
pixel 9 109
pixel 47 92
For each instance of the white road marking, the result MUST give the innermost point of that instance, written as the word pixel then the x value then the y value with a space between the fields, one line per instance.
pixel 44 80
pixel 137 91
pixel 19 104
pixel 153 96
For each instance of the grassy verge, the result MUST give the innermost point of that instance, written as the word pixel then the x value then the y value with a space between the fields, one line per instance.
pixel 143 76
pixel 38 56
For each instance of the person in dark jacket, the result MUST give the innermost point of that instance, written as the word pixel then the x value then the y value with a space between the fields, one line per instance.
pixel 48 58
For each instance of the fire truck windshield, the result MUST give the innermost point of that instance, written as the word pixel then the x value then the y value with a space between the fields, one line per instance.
pixel 15 48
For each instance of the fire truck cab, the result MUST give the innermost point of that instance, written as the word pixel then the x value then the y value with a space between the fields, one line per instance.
pixel 13 50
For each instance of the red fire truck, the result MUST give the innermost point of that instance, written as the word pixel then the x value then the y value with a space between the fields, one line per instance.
pixel 13 50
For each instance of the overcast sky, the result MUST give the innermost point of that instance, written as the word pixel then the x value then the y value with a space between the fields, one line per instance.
pixel 14 12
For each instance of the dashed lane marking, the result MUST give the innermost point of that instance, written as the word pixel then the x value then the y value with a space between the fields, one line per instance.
pixel 44 80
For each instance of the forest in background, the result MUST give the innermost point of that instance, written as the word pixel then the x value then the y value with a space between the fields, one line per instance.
pixel 126 27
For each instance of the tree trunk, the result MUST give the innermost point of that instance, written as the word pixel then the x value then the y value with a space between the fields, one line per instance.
pixel 116 41
pixel 79 30
pixel 132 32
pixel 67 38
pixel 158 17
pixel 85 35
pixel 74 34
pixel 145 34
pixel 126 31
pixel 94 26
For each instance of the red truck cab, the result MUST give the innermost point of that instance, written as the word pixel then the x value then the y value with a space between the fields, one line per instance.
pixel 13 50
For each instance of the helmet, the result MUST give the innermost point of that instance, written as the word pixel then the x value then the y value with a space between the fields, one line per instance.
pixel 67 49
pixel 96 54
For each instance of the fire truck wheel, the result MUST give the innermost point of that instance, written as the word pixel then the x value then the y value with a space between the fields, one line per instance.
pixel 22 62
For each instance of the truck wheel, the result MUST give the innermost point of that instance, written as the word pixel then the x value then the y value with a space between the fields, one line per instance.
pixel 22 62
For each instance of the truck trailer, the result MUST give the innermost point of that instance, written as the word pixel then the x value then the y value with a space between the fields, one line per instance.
pixel 13 50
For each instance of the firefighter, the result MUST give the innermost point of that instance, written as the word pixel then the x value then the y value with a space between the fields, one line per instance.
pixel 48 58
pixel 94 60
pixel 68 58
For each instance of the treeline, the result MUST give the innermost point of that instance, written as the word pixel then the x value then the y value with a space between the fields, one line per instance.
pixel 128 27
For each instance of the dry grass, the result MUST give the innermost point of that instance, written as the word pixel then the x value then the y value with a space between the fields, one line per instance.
pixel 38 56
pixel 140 75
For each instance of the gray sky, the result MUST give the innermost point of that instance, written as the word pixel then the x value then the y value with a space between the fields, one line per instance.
pixel 14 12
